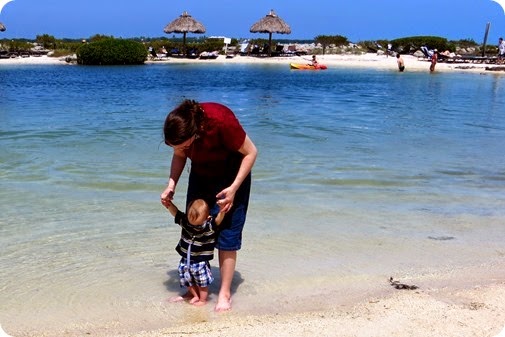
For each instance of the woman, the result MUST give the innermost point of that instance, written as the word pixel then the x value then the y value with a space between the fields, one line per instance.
pixel 222 156
pixel 434 59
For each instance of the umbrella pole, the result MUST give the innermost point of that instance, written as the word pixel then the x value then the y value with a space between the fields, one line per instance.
pixel 184 44
pixel 269 44
pixel 485 39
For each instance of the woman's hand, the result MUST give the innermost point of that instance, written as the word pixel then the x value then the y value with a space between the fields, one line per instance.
pixel 167 196
pixel 225 199
pixel 176 168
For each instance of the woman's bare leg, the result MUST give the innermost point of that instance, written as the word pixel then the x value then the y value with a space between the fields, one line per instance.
pixel 227 262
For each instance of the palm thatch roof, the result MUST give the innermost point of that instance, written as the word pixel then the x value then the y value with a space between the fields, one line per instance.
pixel 2 4
pixel 270 24
pixel 184 24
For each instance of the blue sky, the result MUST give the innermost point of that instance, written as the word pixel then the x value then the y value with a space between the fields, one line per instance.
pixel 355 19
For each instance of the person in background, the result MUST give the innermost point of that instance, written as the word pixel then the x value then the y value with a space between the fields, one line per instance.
pixel 501 50
pixel 222 156
pixel 401 64
pixel 434 59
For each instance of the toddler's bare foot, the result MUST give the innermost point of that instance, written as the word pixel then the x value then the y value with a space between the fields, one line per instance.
pixel 199 303
pixel 185 297
pixel 194 300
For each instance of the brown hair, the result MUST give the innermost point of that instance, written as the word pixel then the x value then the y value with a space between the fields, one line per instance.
pixel 198 211
pixel 183 122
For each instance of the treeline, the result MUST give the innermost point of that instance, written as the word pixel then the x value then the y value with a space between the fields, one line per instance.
pixel 405 44
pixel 134 50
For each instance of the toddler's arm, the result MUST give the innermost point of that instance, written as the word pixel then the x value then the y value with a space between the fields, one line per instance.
pixel 171 208
pixel 220 216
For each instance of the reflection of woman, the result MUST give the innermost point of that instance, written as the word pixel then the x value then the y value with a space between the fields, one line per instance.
pixel 222 156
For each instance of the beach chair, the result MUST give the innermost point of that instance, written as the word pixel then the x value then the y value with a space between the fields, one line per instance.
pixel 427 53
pixel 153 53
pixel 293 51
pixel 255 51
pixel 192 53
pixel 174 52
pixel 279 50
pixel 265 50
pixel 244 48
pixel 209 55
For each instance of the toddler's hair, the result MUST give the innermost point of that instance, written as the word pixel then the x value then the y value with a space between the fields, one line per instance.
pixel 198 211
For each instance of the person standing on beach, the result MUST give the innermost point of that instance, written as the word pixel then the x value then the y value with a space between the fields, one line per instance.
pixel 401 64
pixel 196 248
pixel 222 156
pixel 501 50
pixel 434 59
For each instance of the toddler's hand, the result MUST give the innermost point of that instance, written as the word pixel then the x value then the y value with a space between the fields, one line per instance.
pixel 167 196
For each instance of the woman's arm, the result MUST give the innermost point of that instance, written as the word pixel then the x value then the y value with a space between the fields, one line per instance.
pixel 226 196
pixel 176 168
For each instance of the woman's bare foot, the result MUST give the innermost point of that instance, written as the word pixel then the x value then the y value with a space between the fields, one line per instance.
pixel 223 304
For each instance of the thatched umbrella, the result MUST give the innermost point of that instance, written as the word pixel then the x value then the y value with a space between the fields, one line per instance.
pixel 502 5
pixel 2 5
pixel 184 24
pixel 271 23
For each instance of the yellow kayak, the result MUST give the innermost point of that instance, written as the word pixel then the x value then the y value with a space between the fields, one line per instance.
pixel 307 66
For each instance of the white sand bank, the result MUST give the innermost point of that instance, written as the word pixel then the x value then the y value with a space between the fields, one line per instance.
pixel 412 63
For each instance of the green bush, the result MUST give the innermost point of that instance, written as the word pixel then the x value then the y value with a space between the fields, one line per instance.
pixel 410 44
pixel 111 51
pixel 326 40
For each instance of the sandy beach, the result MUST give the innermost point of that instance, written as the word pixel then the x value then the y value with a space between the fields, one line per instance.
pixel 478 311
pixel 468 302
pixel 465 302
pixel 412 63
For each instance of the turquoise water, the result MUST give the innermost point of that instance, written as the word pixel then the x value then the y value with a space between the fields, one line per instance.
pixel 361 174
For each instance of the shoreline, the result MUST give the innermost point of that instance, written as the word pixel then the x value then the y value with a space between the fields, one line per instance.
pixel 412 63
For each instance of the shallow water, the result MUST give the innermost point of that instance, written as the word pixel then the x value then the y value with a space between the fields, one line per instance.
pixel 361 174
